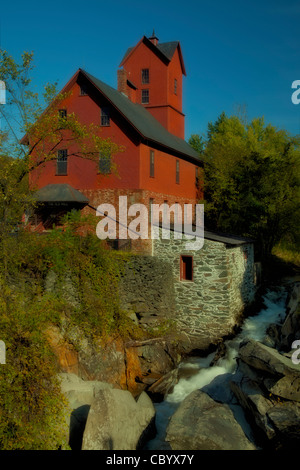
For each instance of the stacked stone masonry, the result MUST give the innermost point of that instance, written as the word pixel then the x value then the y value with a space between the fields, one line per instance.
pixel 209 306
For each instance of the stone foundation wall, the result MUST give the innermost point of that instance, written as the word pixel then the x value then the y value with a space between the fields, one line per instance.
pixel 240 260
pixel 208 307
pixel 147 289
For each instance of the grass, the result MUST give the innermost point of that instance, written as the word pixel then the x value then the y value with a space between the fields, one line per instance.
pixel 284 262
pixel 288 253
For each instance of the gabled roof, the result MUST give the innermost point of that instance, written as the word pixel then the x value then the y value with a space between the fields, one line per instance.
pixel 60 193
pixel 140 119
pixel 164 50
pixel 144 123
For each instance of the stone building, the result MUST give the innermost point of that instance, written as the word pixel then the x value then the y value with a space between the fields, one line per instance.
pixel 212 285
pixel 205 291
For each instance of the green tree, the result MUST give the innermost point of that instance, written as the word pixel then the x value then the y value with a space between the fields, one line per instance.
pixel 197 142
pixel 252 180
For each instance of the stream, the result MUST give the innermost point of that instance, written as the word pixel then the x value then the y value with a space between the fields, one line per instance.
pixel 197 372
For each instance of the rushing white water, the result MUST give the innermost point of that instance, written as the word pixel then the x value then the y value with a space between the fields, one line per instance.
pixel 214 379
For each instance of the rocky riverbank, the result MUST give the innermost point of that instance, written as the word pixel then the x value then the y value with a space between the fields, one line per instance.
pixel 265 385
pixel 268 387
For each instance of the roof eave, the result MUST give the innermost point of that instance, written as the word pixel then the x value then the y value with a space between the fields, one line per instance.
pixel 181 59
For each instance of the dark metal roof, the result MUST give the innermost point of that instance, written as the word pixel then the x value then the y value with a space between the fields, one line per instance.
pixel 127 53
pixel 164 51
pixel 60 193
pixel 143 121
pixel 166 48
pixel 227 239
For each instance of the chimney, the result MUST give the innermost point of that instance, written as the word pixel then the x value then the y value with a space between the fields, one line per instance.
pixel 154 39
pixel 122 81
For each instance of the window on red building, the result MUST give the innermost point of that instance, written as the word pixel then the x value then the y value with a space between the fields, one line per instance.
pixel 145 96
pixel 105 117
pixel 62 162
pixel 145 76
pixel 83 91
pixel 197 177
pixel 177 171
pixel 62 113
pixel 186 268
pixel 151 163
pixel 175 86
pixel 105 163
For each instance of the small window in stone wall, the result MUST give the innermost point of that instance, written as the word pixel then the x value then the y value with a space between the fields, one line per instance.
pixel 186 268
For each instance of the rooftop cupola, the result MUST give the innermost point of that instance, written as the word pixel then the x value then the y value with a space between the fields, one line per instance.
pixel 154 38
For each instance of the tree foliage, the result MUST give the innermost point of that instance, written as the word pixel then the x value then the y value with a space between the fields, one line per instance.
pixel 252 180
pixel 64 279
pixel 32 407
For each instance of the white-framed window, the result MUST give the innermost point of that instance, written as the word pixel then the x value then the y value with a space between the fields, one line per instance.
pixel 145 76
pixel 145 96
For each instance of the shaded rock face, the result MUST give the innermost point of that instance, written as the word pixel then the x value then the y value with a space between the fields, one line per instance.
pixel 103 418
pixel 80 395
pixel 161 387
pixel 282 336
pixel 146 293
pixel 269 393
pixel 266 359
pixel 290 330
pixel 132 366
pixel 117 422
pixel 200 423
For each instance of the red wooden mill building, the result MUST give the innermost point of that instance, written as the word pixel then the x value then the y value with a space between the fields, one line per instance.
pixel 145 117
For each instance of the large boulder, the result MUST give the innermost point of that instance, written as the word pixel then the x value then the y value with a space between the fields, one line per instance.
pixel 116 421
pixel 285 418
pixel 79 394
pixel 288 387
pixel 200 423
pixel 276 421
pixel 255 405
pixel 266 359
pixel 268 389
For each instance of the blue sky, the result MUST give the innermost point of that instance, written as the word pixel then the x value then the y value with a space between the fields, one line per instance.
pixel 238 54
